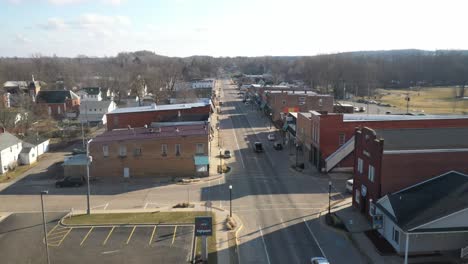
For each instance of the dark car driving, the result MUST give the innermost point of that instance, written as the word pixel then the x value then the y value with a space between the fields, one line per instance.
pixel 69 182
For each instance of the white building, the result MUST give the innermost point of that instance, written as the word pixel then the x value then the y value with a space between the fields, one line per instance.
pixel 33 148
pixel 206 83
pixel 90 94
pixel 10 148
pixel 95 111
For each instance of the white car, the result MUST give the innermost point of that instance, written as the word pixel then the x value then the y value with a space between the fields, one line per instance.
pixel 319 260
pixel 271 137
pixel 349 185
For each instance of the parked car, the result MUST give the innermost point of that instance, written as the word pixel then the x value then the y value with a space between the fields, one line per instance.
pixel 362 109
pixel 319 260
pixel 258 147
pixel 271 137
pixel 349 185
pixel 227 154
pixel 277 146
pixel 69 182
pixel 356 109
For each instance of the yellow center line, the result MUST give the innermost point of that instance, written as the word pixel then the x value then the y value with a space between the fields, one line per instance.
pixel 152 235
pixel 173 237
pixel 87 234
pixel 110 232
pixel 52 230
pixel 64 236
pixel 130 236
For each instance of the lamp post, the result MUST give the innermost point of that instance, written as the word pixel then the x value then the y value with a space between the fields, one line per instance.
pixel 329 196
pixel 297 156
pixel 44 225
pixel 271 119
pixel 230 200
pixel 220 165
pixel 89 159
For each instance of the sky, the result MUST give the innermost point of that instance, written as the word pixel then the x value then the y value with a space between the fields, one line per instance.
pixel 68 28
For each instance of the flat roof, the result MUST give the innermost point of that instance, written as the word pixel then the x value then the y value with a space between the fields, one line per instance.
pixel 366 117
pixel 296 92
pixel 142 133
pixel 424 138
pixel 75 160
pixel 155 107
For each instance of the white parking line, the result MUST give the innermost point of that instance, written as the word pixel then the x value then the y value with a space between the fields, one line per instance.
pixel 264 244
pixel 315 239
pixel 104 206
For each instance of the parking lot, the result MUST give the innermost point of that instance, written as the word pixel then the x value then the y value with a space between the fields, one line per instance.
pixel 97 244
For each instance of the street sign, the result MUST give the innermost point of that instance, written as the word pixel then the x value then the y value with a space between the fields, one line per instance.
pixel 377 221
pixel 203 226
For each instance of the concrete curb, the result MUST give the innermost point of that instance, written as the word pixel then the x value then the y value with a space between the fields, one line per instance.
pixel 4 216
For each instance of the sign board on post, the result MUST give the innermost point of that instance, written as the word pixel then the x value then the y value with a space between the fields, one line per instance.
pixel 203 226
pixel 377 221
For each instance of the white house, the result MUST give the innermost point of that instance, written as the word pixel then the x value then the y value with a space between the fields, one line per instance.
pixel 10 148
pixel 90 94
pixel 205 83
pixel 430 216
pixel 95 111
pixel 33 148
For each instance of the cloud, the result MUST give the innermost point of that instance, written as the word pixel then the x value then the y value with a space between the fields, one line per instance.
pixel 67 2
pixel 91 20
pixel 54 23
pixel 21 39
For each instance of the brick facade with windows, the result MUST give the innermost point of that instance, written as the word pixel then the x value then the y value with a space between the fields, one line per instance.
pixel 332 128
pixel 399 160
pixel 149 152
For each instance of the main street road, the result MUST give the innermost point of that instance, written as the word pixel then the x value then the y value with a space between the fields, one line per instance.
pixel 278 206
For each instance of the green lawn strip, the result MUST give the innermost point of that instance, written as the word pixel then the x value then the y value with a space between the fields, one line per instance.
pixel 134 218
pixel 17 172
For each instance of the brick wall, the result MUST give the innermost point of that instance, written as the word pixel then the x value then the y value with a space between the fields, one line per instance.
pixel 151 162
pixel 140 119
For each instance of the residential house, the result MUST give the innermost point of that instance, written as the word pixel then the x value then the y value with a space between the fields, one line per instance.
pixel 174 150
pixel 33 148
pixel 144 115
pixel 95 111
pixel 428 217
pixel 328 138
pixel 14 90
pixel 388 160
pixel 90 94
pixel 10 147
pixel 59 103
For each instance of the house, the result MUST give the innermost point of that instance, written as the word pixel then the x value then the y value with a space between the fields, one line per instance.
pixel 28 154
pixel 90 94
pixel 14 90
pixel 166 150
pixel 328 138
pixel 10 148
pixel 431 216
pixel 59 103
pixel 388 160
pixel 95 111
pixel 144 115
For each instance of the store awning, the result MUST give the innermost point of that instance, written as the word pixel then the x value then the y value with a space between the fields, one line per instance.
pixel 201 160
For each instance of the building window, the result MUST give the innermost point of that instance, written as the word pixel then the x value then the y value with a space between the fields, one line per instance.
pixel 342 139
pixel 59 110
pixel 360 165
pixel 396 235
pixel 116 120
pixel 137 152
pixel 122 151
pixel 357 197
pixel 177 149
pixel 200 148
pixel 283 102
pixel 371 173
pixel 164 149
pixel 105 150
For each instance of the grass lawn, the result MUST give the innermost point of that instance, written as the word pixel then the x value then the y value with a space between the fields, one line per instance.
pixel 435 100
pixel 17 172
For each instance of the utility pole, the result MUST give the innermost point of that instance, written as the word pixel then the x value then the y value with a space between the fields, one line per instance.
pixel 44 225
pixel 329 196
pixel 230 200
pixel 89 159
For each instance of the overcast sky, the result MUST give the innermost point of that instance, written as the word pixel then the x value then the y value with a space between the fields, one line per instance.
pixel 228 28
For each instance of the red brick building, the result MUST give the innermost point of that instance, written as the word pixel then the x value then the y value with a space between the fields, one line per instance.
pixel 59 103
pixel 388 160
pixel 145 115
pixel 174 150
pixel 328 141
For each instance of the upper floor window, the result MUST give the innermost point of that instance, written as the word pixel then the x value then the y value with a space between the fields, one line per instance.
pixel 371 173
pixel 341 139
pixel 360 165
pixel 200 148
pixel 177 149
pixel 164 149
pixel 105 150
pixel 123 151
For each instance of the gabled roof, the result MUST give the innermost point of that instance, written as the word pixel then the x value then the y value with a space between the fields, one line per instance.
pixel 428 201
pixel 55 97
pixel 91 90
pixel 7 140
pixel 95 104
pixel 424 138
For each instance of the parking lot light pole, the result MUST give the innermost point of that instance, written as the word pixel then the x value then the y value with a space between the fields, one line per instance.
pixel 271 119
pixel 230 200
pixel 220 165
pixel 329 196
pixel 89 159
pixel 44 225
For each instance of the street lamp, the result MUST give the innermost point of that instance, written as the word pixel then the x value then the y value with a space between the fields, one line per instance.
pixel 89 159
pixel 329 196
pixel 220 161
pixel 297 156
pixel 230 200
pixel 271 119
pixel 44 225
